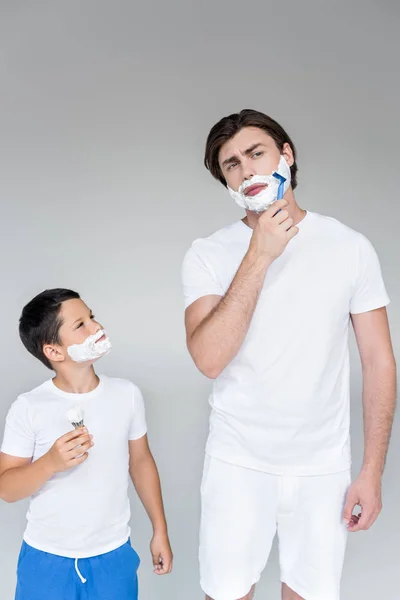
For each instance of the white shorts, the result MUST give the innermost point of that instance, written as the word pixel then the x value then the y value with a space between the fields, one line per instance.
pixel 243 509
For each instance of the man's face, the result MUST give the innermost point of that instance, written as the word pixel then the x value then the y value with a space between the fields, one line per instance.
pixel 250 152
pixel 78 323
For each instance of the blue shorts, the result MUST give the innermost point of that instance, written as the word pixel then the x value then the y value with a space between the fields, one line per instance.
pixel 110 576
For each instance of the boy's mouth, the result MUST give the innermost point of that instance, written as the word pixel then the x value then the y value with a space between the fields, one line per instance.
pixel 103 337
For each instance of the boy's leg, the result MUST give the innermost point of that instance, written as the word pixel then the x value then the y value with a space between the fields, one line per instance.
pixel 43 575
pixel 111 576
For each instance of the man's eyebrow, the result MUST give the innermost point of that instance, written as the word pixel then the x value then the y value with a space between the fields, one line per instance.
pixel 253 147
pixel 229 160
pixel 234 158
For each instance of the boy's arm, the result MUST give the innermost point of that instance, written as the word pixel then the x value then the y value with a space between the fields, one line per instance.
pixel 20 478
pixel 145 478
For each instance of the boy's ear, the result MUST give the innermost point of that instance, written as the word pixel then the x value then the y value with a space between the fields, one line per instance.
pixel 53 353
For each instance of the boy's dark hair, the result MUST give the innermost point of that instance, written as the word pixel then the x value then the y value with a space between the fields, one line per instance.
pixel 229 126
pixel 40 323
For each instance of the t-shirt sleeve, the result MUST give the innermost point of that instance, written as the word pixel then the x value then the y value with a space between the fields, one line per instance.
pixel 198 280
pixel 369 289
pixel 19 437
pixel 138 424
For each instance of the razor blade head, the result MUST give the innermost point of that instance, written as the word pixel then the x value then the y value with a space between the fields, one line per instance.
pixel 281 187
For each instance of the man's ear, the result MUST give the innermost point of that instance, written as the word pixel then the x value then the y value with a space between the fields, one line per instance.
pixel 288 154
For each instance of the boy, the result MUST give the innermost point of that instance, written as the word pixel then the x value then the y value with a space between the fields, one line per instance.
pixel 75 468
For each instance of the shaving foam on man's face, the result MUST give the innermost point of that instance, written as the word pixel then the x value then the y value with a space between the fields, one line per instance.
pixel 92 348
pixel 259 192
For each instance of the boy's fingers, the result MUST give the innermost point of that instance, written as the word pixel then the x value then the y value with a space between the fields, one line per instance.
pixel 71 435
pixel 79 449
pixel 79 441
pixel 156 560
pixel 162 566
pixel 78 460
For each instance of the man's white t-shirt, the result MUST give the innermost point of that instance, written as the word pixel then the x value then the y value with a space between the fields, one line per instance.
pixel 282 404
pixel 83 511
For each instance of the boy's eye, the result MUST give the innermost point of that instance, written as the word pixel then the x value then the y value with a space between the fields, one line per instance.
pixel 92 317
pixel 80 325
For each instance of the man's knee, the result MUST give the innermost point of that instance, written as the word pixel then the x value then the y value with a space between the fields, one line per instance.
pixel 248 596
pixel 289 594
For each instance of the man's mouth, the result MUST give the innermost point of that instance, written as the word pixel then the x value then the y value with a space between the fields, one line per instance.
pixel 255 189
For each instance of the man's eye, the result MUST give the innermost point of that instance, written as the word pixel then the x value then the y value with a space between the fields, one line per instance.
pixel 257 154
pixel 232 165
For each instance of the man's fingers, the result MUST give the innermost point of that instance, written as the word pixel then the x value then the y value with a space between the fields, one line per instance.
pixel 292 232
pixel 358 523
pixel 276 207
pixel 363 521
pixel 351 502
pixel 286 224
pixel 282 216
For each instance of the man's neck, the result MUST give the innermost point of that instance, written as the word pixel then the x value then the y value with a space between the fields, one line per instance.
pixel 77 380
pixel 295 212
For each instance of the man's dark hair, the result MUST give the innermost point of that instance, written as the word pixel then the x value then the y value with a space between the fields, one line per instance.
pixel 40 322
pixel 227 127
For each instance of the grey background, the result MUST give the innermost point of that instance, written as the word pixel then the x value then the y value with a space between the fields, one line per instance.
pixel 105 107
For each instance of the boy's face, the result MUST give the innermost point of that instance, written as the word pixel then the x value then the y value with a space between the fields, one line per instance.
pixel 78 323
pixel 250 152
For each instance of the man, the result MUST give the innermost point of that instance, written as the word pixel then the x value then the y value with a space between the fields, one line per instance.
pixel 268 302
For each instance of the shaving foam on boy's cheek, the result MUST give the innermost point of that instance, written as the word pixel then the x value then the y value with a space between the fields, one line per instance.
pixel 268 195
pixel 90 349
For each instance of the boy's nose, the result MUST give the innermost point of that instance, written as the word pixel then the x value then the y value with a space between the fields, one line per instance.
pixel 96 327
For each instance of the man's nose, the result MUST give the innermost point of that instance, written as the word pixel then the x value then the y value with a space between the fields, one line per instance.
pixel 248 170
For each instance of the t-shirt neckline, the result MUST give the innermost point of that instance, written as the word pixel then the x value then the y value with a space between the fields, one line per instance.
pixel 299 224
pixel 76 397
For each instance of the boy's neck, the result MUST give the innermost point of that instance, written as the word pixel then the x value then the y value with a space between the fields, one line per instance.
pixel 79 381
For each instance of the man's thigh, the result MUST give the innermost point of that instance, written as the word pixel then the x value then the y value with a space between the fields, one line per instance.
pixel 238 524
pixel 312 535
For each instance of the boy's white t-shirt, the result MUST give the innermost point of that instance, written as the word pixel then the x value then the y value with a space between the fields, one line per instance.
pixel 84 511
pixel 282 404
